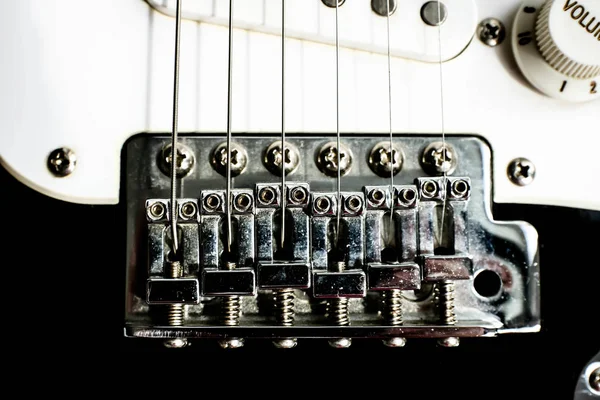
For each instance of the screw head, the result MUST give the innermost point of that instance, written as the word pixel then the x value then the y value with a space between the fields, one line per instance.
pixel 434 13
pixel 383 161
pixel 327 160
pixel 353 204
pixel 177 343
pixel 212 203
pixel 322 205
pixel 439 158
pixel 232 343
pixel 376 197
pixel 239 159
pixel 340 343
pixel 449 342
pixel 395 342
pixel 521 171
pixel 156 211
pixel 267 196
pixel 406 197
pixel 380 7
pixel 242 202
pixel 62 162
pixel 298 195
pixel 275 159
pixel 185 160
pixel 289 343
pixel 491 32
pixel 594 380
pixel 459 189
pixel 188 210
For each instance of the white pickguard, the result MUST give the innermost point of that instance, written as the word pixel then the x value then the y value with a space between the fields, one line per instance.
pixel 89 74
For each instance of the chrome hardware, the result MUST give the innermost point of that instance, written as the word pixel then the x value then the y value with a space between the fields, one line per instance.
pixel 327 160
pixel 239 159
pixel 434 13
pixel 331 3
pixel 185 160
pixel 491 32
pixel 62 162
pixel 521 171
pixel 275 160
pixel 439 158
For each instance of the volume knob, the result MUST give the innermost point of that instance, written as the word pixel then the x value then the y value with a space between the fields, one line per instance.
pixel 568 37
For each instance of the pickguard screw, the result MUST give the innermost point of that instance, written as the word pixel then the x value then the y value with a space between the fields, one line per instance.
pixel 185 160
pixel 521 171
pixel 327 160
pixel 383 161
pixel 594 380
pixel 231 312
pixel 331 3
pixel 62 162
pixel 434 13
pixel 337 312
pixel 439 158
pixel 380 7
pixel 239 159
pixel 274 159
pixel 491 32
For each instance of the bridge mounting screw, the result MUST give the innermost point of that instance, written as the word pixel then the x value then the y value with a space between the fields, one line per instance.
pixel 62 162
pixel 383 161
pixel 185 160
pixel 274 159
pixel 439 158
pixel 327 160
pixel 521 171
pixel 239 159
pixel 491 32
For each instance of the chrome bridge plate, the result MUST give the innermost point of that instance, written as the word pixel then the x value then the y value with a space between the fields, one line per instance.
pixel 493 265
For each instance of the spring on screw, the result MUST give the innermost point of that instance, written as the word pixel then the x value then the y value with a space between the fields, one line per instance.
pixel 284 307
pixel 175 312
pixel 338 311
pixel 392 307
pixel 231 310
pixel 444 294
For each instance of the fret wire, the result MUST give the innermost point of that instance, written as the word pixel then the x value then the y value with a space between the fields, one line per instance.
pixel 389 66
pixel 229 116
pixel 174 213
pixel 283 188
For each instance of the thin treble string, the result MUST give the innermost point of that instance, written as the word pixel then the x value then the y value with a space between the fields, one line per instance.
pixel 337 113
pixel 174 213
pixel 389 66
pixel 444 161
pixel 229 100
pixel 283 189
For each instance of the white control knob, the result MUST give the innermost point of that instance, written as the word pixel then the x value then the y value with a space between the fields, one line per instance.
pixel 557 46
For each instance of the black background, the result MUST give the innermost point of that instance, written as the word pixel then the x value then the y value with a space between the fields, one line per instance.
pixel 64 299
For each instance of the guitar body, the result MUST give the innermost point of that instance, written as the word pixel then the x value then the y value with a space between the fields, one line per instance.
pixel 96 78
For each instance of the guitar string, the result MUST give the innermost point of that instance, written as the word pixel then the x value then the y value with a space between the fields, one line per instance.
pixel 174 213
pixel 337 114
pixel 229 116
pixel 389 67
pixel 444 160
pixel 283 188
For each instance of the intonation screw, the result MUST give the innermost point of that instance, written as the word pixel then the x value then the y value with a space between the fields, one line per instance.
pixel 284 315
pixel 239 159
pixel 327 160
pixel 392 313
pixel 439 158
pixel 275 160
pixel 444 296
pixel 175 312
pixel 62 162
pixel 231 310
pixel 491 32
pixel 382 161
pixel 185 160
pixel 521 171
pixel 337 312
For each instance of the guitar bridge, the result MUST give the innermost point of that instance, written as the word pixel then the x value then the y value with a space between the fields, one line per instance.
pixel 421 258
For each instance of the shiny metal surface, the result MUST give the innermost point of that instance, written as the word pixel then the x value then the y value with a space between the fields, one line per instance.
pixel 330 162
pixel 439 158
pixel 508 248
pixel 62 162
pixel 275 159
pixel 384 7
pixel 491 31
pixel 239 159
pixel 588 384
pixel 383 161
pixel 434 13
pixel 521 171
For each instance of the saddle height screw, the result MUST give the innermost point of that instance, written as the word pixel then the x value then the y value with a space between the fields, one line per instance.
pixel 284 315
pixel 392 313
pixel 337 312
pixel 444 294
pixel 175 312
pixel 231 310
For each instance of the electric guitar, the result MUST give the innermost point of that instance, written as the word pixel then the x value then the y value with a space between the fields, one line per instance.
pixel 408 171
